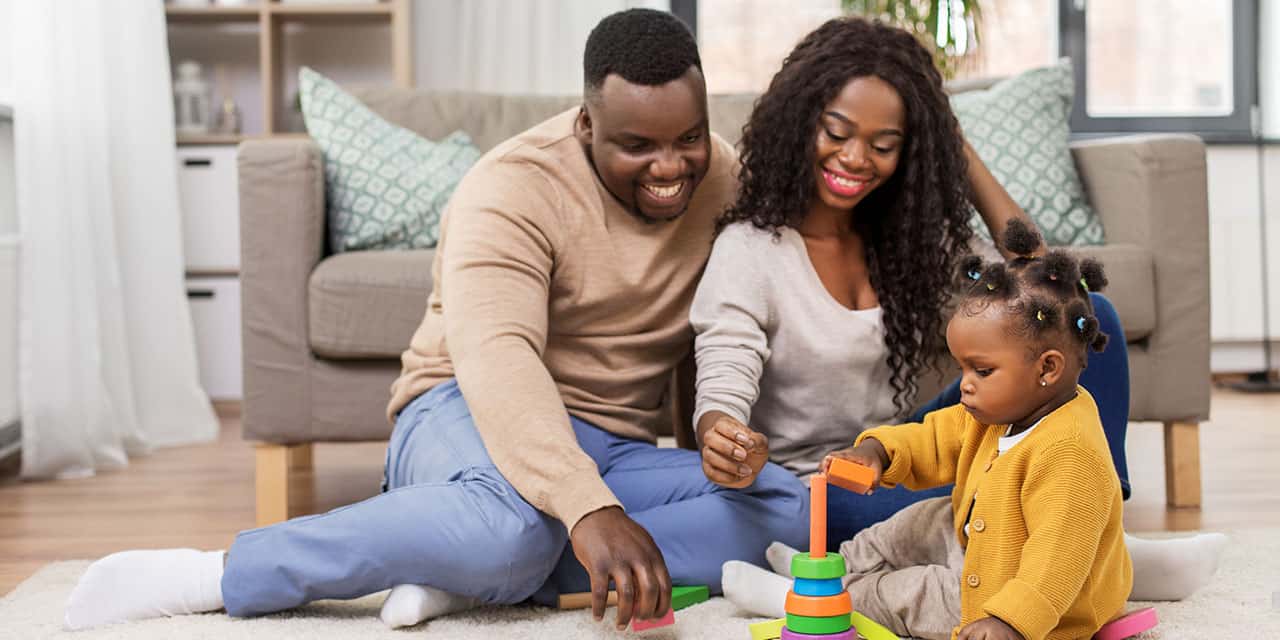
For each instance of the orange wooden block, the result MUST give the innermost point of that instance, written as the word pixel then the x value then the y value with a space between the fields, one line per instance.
pixel 850 476
pixel 818 516
pixel 819 606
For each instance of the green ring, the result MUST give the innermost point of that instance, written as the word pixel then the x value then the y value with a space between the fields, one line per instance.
pixel 824 568
pixel 818 626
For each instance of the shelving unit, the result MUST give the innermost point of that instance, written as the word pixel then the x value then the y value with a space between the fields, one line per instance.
pixel 271 20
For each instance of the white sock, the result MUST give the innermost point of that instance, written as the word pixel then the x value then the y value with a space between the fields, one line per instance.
pixel 779 556
pixel 755 590
pixel 409 604
pixel 133 585
pixel 1173 569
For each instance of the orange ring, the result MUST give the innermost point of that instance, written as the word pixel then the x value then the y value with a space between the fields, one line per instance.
pixel 819 606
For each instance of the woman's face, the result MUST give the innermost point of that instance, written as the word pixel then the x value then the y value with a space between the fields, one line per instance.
pixel 860 137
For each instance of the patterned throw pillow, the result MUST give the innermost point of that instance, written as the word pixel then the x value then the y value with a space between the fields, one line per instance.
pixel 386 186
pixel 1019 129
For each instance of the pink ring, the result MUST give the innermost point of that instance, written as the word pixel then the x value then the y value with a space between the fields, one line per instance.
pixel 788 634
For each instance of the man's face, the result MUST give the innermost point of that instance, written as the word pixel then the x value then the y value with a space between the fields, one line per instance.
pixel 650 145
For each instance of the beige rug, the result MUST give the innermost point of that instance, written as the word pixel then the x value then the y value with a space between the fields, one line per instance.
pixel 1237 604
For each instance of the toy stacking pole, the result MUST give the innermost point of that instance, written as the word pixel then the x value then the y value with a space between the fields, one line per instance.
pixel 818 516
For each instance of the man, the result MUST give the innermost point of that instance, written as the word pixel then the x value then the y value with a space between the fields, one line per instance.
pixel 530 395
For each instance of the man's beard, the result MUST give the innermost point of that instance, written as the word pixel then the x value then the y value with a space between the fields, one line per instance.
pixel 634 210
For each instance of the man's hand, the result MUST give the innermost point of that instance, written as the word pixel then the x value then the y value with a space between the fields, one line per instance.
pixel 989 629
pixel 732 454
pixel 611 546
pixel 869 454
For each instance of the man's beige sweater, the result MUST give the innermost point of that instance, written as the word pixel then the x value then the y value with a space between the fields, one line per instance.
pixel 550 296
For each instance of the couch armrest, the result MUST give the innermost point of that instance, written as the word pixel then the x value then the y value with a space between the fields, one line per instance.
pixel 1152 191
pixel 282 221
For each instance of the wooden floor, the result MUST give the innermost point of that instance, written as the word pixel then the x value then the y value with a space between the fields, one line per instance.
pixel 201 496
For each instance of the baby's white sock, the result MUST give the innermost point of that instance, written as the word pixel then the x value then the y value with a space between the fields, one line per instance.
pixel 779 556
pixel 753 589
pixel 132 585
pixel 409 604
pixel 1173 569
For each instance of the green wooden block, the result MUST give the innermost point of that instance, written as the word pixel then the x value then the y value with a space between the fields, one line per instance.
pixel 818 626
pixel 682 597
pixel 870 629
pixel 824 568
pixel 768 630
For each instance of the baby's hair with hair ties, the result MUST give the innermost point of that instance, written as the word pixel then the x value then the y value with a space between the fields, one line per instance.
pixel 1047 295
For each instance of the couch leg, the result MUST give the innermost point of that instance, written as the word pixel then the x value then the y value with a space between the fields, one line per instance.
pixel 1182 464
pixel 300 457
pixel 271 482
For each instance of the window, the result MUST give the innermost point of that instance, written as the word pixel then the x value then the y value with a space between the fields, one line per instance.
pixel 1180 65
pixel 1171 65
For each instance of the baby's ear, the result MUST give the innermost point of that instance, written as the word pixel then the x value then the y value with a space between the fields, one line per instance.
pixel 1052 365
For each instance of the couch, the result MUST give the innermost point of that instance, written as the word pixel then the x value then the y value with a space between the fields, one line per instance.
pixel 323 333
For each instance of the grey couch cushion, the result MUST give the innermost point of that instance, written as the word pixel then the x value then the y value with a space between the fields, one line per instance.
pixel 1130 270
pixel 367 304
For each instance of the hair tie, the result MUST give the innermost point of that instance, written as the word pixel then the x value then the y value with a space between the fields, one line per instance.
pixel 974 274
pixel 991 287
pixel 1039 316
pixel 1080 323
pixel 1084 284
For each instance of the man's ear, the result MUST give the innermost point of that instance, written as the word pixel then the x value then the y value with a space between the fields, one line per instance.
pixel 582 126
pixel 1052 365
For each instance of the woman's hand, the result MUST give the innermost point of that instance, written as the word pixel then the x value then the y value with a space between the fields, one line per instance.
pixel 870 454
pixel 989 629
pixel 732 454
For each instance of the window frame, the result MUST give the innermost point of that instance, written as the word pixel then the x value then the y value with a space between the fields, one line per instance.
pixel 1239 125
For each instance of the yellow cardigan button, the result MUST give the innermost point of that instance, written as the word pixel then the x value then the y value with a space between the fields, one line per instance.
pixel 973 580
pixel 979 525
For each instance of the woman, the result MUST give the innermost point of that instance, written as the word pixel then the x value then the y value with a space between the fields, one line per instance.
pixel 824 299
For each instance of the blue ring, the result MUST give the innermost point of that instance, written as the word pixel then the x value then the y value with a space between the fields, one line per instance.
pixel 807 587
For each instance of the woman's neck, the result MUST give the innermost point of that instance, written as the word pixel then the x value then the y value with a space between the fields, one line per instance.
pixel 823 222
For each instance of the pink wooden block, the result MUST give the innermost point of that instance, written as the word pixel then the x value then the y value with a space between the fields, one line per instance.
pixel 1128 625
pixel 644 625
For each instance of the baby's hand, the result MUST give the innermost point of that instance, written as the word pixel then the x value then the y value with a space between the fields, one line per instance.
pixel 989 629
pixel 870 454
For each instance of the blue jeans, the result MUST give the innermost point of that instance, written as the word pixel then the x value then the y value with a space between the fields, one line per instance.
pixel 450 520
pixel 1107 379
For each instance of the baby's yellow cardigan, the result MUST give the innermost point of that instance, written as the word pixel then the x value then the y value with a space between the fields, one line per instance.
pixel 1045 551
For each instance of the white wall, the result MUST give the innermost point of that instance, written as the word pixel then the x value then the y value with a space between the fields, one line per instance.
pixel 6 52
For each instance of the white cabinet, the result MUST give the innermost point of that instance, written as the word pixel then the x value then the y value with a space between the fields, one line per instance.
pixel 210 198
pixel 215 313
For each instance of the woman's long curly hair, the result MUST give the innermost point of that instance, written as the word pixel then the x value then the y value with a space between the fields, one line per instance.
pixel 915 225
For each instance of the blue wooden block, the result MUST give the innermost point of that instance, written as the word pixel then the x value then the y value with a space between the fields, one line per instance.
pixel 807 587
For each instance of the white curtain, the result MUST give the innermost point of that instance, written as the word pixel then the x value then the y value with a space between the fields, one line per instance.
pixel 106 353
pixel 501 46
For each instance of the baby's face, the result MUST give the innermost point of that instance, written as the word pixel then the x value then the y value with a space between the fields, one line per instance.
pixel 999 381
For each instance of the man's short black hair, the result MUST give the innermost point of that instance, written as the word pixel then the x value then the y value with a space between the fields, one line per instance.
pixel 643 46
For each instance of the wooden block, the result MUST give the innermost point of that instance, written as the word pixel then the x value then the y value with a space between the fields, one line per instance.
pixel 850 476
pixel 644 625
pixel 1128 625
pixel 769 630
pixel 870 629
pixel 583 600
pixel 817 515
pixel 683 597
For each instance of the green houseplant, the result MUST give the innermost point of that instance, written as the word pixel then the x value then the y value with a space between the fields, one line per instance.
pixel 949 28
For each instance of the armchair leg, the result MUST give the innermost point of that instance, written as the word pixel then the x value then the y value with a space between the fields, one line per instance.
pixel 271 480
pixel 300 457
pixel 1182 464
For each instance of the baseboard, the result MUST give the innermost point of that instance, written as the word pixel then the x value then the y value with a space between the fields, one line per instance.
pixel 10 439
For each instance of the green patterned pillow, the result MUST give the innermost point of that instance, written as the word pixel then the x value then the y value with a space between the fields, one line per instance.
pixel 386 186
pixel 1019 129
